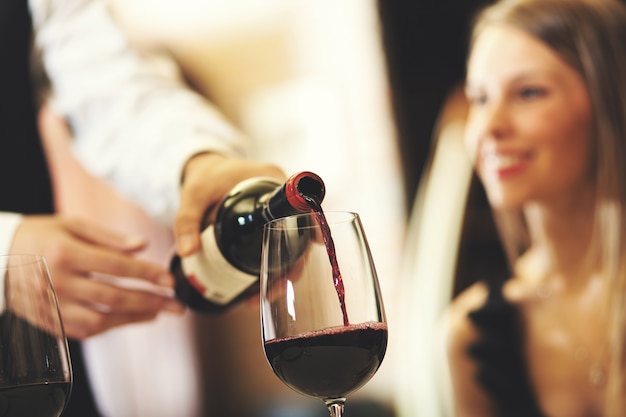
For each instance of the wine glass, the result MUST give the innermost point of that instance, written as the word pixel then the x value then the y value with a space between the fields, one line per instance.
pixel 322 318
pixel 35 368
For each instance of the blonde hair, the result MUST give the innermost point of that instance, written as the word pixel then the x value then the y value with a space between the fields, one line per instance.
pixel 590 35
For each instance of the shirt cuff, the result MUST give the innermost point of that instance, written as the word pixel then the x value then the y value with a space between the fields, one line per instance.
pixel 8 224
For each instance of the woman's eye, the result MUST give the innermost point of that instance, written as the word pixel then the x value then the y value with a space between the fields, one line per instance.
pixel 531 93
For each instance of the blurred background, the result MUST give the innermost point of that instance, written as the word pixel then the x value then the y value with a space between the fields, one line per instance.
pixel 354 91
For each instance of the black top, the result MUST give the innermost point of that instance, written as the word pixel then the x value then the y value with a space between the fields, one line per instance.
pixel 24 178
pixel 502 368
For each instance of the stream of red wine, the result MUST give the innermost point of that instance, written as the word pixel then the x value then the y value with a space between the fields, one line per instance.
pixel 316 208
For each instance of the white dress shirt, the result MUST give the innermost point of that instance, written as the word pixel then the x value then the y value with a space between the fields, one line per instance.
pixel 133 121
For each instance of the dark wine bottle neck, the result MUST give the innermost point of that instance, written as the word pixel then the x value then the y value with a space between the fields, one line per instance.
pixel 301 193
pixel 277 205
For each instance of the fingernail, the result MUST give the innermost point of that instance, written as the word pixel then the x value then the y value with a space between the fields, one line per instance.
pixel 174 307
pixel 185 244
pixel 165 280
pixel 134 240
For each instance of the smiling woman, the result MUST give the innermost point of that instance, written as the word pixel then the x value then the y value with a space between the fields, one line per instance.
pixel 529 118
pixel 545 128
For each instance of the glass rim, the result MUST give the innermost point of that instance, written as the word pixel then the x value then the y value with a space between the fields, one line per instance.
pixel 19 259
pixel 332 217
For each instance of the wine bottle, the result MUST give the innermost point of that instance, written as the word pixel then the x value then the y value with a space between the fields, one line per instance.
pixel 226 270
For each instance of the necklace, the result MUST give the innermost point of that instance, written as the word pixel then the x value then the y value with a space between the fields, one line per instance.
pixel 596 374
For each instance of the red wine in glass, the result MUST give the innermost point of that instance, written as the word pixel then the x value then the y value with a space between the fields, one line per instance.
pixel 329 363
pixel 41 399
pixel 35 367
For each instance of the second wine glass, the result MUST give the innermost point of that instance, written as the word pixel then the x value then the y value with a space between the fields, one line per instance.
pixel 35 368
pixel 323 322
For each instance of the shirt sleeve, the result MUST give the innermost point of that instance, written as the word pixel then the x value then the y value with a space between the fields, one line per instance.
pixel 8 224
pixel 135 123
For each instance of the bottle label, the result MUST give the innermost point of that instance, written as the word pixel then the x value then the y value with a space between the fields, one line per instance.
pixel 212 275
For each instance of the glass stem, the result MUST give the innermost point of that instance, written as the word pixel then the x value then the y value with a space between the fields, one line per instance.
pixel 336 409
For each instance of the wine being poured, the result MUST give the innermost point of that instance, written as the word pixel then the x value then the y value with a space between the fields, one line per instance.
pixel 316 208
pixel 324 329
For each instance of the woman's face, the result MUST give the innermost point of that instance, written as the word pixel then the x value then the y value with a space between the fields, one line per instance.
pixel 529 120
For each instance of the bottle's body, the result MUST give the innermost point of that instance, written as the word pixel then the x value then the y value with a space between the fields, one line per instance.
pixel 226 270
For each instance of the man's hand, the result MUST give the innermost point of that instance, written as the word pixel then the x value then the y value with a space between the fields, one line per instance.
pixel 207 179
pixel 77 250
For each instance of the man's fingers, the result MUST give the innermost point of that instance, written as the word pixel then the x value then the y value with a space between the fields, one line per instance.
pixel 93 306
pixel 109 297
pixel 187 227
pixel 110 262
pixel 97 235
pixel 81 322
